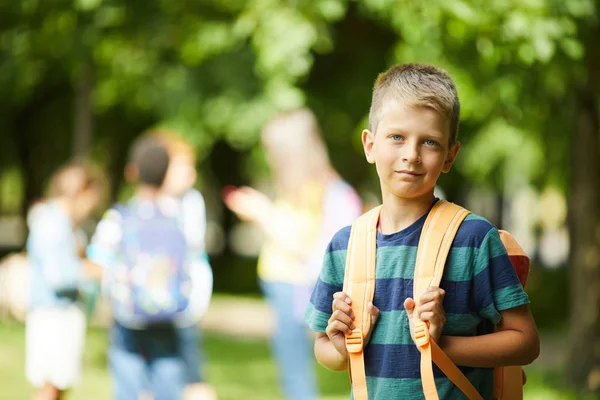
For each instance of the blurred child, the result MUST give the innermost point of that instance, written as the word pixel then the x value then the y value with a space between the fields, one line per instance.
pixel 55 323
pixel 144 251
pixel 297 226
pixel 184 202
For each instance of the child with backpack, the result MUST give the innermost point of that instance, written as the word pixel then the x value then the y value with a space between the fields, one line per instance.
pixel 55 323
pixel 143 250
pixel 478 315
pixel 180 199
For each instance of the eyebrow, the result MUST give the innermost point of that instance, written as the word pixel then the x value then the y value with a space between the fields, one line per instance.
pixel 428 134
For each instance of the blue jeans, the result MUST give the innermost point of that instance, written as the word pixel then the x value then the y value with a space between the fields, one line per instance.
pixel 189 338
pixel 146 359
pixel 291 345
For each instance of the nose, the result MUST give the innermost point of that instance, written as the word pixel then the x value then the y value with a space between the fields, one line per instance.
pixel 411 153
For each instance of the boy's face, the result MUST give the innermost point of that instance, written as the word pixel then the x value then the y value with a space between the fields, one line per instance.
pixel 410 149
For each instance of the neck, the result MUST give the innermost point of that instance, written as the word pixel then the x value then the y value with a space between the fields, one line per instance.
pixel 146 192
pixel 398 213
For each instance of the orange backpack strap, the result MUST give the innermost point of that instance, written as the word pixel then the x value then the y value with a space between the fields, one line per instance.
pixel 359 285
pixel 437 236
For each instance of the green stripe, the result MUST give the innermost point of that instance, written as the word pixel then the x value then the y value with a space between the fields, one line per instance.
pixel 456 324
pixel 315 319
pixel 409 389
pixel 510 297
pixel 332 272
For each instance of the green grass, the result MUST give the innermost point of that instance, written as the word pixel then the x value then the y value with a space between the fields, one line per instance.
pixel 239 369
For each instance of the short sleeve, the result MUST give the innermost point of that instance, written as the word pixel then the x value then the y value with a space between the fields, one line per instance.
pixel 331 280
pixel 52 244
pixel 194 219
pixel 106 239
pixel 496 286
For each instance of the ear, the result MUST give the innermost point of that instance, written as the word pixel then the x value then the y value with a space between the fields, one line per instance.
pixel 450 157
pixel 368 141
pixel 131 173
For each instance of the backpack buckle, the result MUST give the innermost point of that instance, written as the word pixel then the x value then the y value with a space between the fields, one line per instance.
pixel 354 341
pixel 421 331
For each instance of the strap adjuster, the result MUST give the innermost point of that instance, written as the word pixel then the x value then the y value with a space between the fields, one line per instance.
pixel 354 341
pixel 421 333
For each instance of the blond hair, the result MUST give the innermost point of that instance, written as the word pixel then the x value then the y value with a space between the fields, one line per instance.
pixel 175 144
pixel 294 141
pixel 417 85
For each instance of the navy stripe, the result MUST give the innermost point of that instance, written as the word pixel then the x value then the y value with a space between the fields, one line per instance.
pixel 399 238
pixel 322 296
pixel 470 234
pixel 397 361
pixel 391 293
pixel 340 240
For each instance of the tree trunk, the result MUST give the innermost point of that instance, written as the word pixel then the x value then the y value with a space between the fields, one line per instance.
pixel 84 118
pixel 584 221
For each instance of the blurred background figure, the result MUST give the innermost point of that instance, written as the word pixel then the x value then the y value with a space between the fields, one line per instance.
pixel 186 204
pixel 311 203
pixel 55 322
pixel 144 251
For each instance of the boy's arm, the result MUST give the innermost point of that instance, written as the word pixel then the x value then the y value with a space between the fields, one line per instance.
pixel 102 250
pixel 498 297
pixel 330 347
pixel 515 342
pixel 327 355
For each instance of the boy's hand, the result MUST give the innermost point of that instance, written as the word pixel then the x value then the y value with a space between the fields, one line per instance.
pixel 430 311
pixel 341 321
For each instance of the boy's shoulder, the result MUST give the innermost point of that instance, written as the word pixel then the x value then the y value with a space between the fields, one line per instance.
pixel 340 239
pixel 473 231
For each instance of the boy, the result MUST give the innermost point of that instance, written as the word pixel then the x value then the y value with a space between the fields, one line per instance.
pixel 180 199
pixel 413 126
pixel 147 354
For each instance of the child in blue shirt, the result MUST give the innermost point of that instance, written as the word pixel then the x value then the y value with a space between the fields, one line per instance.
pixel 412 139
pixel 55 322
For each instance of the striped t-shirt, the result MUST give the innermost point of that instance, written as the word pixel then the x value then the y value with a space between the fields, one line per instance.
pixel 479 281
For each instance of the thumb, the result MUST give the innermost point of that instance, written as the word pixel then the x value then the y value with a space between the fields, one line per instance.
pixel 409 306
pixel 374 312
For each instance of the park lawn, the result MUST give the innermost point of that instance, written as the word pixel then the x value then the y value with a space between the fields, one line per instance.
pixel 239 369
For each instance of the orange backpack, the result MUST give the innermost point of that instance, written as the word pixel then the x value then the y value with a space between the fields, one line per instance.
pixel 437 235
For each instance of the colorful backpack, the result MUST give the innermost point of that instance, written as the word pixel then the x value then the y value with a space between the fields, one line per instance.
pixel 150 283
pixel 437 235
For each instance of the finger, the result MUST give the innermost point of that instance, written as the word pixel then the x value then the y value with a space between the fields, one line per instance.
pixel 435 307
pixel 432 294
pixel 337 326
pixel 373 311
pixel 341 316
pixel 342 296
pixel 409 306
pixel 433 318
pixel 343 307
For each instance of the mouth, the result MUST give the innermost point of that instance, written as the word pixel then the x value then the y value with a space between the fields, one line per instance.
pixel 407 173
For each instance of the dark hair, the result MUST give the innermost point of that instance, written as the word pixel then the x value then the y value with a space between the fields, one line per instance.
pixel 151 159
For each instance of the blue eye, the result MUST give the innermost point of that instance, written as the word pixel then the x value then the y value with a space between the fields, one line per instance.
pixel 396 137
pixel 431 143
